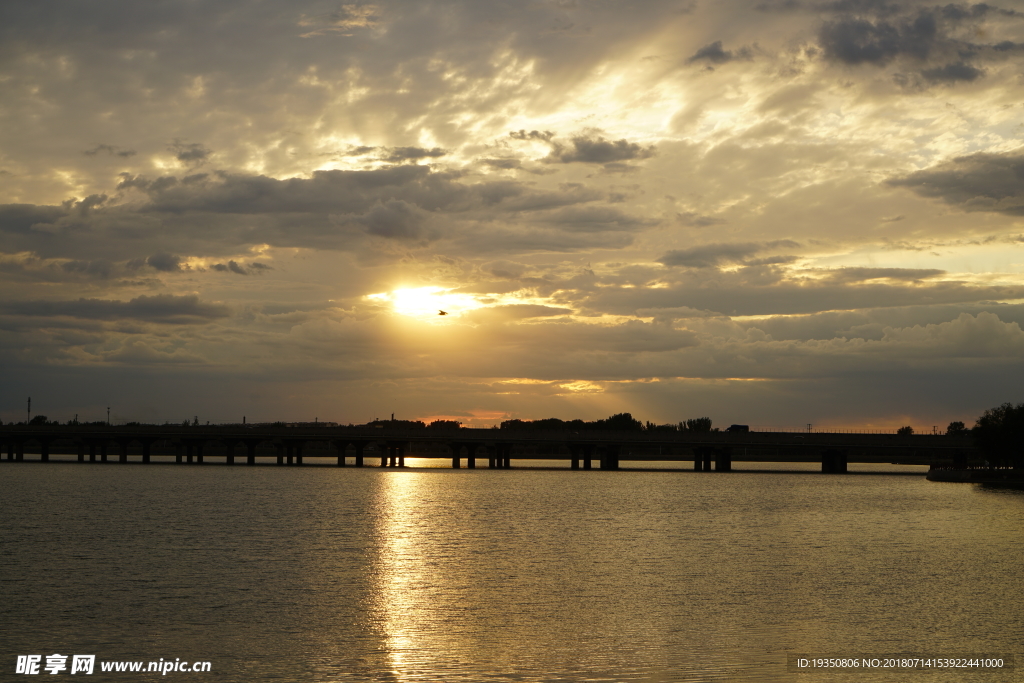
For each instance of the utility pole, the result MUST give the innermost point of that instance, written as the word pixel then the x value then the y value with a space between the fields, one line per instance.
pixel 108 416
pixel 29 418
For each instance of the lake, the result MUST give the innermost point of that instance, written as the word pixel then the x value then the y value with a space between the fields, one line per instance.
pixel 434 574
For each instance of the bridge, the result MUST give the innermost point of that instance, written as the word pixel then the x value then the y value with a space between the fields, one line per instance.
pixel 389 447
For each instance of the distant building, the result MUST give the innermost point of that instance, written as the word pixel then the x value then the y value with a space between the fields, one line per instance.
pixel 739 429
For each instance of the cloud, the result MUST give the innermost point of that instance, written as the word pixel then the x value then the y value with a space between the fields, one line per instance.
pixel 190 154
pixel 164 262
pixel 233 267
pixel 696 220
pixel 395 219
pixel 714 53
pixel 595 149
pixel 544 136
pixel 400 154
pixel 951 73
pixel 715 255
pixel 978 182
pixel 161 308
pixel 513 312
pixel 865 274
pixel 342 21
pixel 593 219
pixel 983 335
pixel 506 164
pixel 100 268
pixel 111 150
pixel 860 41
pixel 138 352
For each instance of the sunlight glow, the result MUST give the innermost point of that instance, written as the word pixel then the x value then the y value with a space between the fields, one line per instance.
pixel 428 302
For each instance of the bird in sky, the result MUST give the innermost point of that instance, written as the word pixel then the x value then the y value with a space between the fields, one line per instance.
pixel 440 312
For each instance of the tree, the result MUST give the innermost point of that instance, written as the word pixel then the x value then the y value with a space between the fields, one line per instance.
pixel 445 424
pixel 956 429
pixel 905 431
pixel 999 433
pixel 700 424
pixel 40 420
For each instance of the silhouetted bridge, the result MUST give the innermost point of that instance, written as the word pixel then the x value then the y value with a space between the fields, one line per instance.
pixel 389 446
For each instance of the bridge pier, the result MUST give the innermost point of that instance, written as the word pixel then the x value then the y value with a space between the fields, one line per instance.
pixel 146 444
pixel 341 446
pixel 280 453
pixel 123 446
pixel 359 452
pixel 723 459
pixel 704 455
pixel 610 461
pixel 574 456
pixel 250 447
pixel 81 451
pixel 833 462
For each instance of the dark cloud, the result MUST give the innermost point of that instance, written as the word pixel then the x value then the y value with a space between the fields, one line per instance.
pixel 100 268
pixel 231 267
pixel 979 182
pixel 715 255
pixel 162 308
pixel 395 219
pixel 514 312
pixel 736 294
pixel 878 33
pixel 714 53
pixel 343 21
pixel 164 262
pixel 190 154
pixel 400 154
pixel 874 7
pixel 545 136
pixel 696 220
pixel 859 41
pixel 595 149
pixel 324 192
pixel 507 164
pixel 865 274
pixel 111 150
pixel 957 13
pixel 952 73
pixel 22 218
pixel 216 213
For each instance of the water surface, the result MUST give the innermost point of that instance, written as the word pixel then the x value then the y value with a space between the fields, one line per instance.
pixel 328 574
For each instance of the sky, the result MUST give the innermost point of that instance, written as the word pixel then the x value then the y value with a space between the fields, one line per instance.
pixel 773 212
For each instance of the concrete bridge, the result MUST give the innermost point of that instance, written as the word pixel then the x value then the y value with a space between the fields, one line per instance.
pixel 586 450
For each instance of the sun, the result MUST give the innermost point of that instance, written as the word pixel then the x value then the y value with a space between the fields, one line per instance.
pixel 428 302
